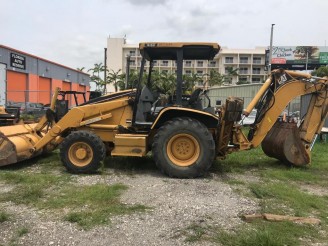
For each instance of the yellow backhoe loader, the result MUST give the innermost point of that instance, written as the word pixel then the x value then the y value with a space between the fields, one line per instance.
pixel 9 115
pixel 184 136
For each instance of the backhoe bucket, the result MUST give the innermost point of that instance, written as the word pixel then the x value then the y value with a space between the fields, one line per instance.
pixel 16 143
pixel 283 142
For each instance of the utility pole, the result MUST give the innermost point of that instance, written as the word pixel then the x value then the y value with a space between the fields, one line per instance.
pixel 105 70
pixel 270 54
pixel 127 72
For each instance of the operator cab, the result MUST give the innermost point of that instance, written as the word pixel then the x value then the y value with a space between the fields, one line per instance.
pixel 152 96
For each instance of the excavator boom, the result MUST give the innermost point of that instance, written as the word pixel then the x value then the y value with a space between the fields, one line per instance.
pixel 285 140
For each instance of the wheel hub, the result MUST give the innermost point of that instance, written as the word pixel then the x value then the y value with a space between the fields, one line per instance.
pixel 183 149
pixel 80 154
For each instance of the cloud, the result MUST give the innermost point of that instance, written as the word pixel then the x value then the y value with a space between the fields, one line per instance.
pixel 147 2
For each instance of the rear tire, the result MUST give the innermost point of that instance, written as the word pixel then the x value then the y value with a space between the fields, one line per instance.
pixel 183 148
pixel 82 152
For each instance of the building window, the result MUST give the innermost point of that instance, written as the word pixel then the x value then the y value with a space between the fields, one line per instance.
pixel 165 63
pixel 188 72
pixel 200 72
pixel 243 70
pixel 132 52
pixel 242 79
pixel 256 70
pixel 256 80
pixel 200 63
pixel 165 71
pixel 155 63
pixel 229 59
pixel 132 62
pixel 188 64
pixel 244 59
pixel 257 60
pixel 212 63
pixel 200 83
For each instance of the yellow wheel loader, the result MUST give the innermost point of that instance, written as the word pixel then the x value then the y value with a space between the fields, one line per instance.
pixel 9 115
pixel 184 136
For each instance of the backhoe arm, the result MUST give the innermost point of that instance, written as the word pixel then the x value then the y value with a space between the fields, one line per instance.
pixel 286 141
pixel 284 87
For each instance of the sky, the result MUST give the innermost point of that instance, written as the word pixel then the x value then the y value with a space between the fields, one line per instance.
pixel 74 32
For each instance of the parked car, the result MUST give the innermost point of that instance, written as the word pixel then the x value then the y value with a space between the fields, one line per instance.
pixel 250 119
pixel 29 107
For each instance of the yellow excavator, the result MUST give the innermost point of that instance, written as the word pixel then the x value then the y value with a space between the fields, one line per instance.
pixel 183 135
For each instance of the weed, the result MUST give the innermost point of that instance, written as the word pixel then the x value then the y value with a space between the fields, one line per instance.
pixel 22 231
pixel 264 233
pixel 91 205
pixel 3 216
pixel 196 232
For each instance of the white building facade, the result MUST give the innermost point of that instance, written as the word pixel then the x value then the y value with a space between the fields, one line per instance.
pixel 249 62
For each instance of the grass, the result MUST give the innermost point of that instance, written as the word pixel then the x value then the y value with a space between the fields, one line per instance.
pixel 22 231
pixel 277 188
pixel 3 216
pixel 278 191
pixel 92 205
pixel 46 185
pixel 301 203
pixel 265 233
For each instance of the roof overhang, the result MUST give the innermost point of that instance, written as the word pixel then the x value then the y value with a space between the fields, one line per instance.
pixel 168 51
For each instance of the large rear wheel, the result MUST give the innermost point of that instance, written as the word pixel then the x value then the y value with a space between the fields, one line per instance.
pixel 183 148
pixel 82 152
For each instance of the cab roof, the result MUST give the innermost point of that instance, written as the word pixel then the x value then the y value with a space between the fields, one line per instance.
pixel 168 51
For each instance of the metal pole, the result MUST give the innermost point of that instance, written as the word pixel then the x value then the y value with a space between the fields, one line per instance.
pixel 127 72
pixel 270 54
pixel 307 60
pixel 105 70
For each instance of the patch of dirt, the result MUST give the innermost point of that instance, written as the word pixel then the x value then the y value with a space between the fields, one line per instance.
pixel 175 205
pixel 314 190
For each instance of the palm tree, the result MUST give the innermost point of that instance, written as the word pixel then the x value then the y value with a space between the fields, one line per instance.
pixel 80 69
pixel 115 78
pixel 189 81
pixel 215 78
pixel 166 82
pixel 230 73
pixel 95 77
pixel 321 72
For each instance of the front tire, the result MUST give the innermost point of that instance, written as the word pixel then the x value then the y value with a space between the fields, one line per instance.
pixel 82 152
pixel 183 148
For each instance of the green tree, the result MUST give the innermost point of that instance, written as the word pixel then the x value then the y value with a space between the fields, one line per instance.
pixel 189 81
pixel 230 73
pixel 321 72
pixel 165 82
pixel 97 70
pixel 215 78
pixel 80 69
pixel 115 78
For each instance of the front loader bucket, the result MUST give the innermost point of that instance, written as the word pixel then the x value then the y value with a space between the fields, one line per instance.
pixel 16 143
pixel 7 151
pixel 283 142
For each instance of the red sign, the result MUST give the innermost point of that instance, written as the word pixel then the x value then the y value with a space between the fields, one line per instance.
pixel 279 61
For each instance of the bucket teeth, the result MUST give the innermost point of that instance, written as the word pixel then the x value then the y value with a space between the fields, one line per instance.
pixel 283 142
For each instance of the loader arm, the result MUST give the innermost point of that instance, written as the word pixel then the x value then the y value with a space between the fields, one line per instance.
pixel 286 141
pixel 81 116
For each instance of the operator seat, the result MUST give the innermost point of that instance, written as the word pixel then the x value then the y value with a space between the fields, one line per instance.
pixel 194 101
pixel 146 100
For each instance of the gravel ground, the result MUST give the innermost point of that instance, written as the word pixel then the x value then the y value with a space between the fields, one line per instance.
pixel 175 205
